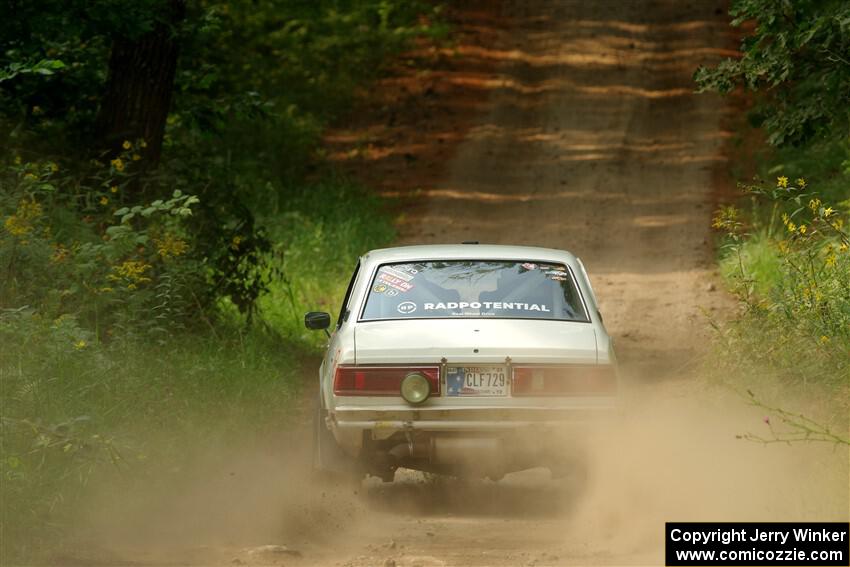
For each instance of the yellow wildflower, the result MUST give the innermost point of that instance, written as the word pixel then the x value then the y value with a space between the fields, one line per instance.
pixel 830 260
pixel 802 229
pixel 60 253
pixel 143 144
pixel 235 242
pixel 53 167
pixel 126 145
pixel 170 246
pixel 814 204
pixel 828 211
pixel 114 189
pixel 792 227
pixel 80 344
pixel 17 160
pixel 37 111
pixel 824 339
pixel 16 227
pixel 30 177
pixel 136 157
pixel 843 247
pixel 131 270
pixel 104 200
pixel 726 217
pixel 801 183
pixel 118 164
pixel 782 182
pixel 21 223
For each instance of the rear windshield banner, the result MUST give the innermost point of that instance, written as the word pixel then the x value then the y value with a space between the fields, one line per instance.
pixel 469 288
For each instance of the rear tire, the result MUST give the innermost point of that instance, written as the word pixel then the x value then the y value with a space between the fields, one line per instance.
pixel 330 464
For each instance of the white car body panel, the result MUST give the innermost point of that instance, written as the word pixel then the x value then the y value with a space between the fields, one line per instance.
pixel 458 341
pixel 429 340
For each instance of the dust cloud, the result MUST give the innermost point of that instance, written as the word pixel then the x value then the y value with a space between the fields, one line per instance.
pixel 675 455
pixel 253 500
pixel 672 455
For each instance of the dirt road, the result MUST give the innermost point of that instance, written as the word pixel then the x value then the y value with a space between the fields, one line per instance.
pixel 595 142
pixel 592 140
pixel 581 133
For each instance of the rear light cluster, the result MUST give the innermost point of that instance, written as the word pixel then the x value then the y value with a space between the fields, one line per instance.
pixel 565 381
pixel 380 380
pixel 578 380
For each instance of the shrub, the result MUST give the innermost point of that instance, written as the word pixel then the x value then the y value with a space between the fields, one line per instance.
pixel 69 248
pixel 790 273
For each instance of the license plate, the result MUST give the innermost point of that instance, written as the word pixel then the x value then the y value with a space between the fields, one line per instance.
pixel 477 381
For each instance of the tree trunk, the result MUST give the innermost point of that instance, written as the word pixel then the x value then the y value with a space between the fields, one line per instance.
pixel 138 90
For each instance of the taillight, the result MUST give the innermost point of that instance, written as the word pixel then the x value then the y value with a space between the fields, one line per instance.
pixel 380 380
pixel 591 380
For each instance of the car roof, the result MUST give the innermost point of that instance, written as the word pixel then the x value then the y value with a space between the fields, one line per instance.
pixel 467 252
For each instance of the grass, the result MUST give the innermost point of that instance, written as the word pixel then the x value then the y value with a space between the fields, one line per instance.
pixel 82 415
pixel 327 225
pixel 793 331
pixel 78 413
pixel 73 414
pixel 761 262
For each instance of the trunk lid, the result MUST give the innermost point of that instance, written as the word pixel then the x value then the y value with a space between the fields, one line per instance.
pixel 474 340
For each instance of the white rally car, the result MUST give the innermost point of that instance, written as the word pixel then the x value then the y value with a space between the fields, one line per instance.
pixel 461 359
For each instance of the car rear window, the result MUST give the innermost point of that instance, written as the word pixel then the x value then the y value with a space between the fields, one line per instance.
pixel 474 289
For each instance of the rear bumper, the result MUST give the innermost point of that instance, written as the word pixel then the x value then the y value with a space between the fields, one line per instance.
pixel 466 419
pixel 352 425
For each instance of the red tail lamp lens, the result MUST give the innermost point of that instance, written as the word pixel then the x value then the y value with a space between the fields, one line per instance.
pixel 590 380
pixel 380 380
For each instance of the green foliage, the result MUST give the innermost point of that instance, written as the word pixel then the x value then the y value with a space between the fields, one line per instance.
pixel 327 226
pixel 255 85
pixel 789 268
pixel 41 67
pixel 68 249
pixel 81 417
pixel 797 56
pixel 121 287
pixel 53 62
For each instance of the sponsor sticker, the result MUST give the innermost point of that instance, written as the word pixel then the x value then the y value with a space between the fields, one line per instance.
pixel 395 283
pixel 494 305
pixel 391 292
pixel 406 307
pixel 380 288
pixel 396 273
pixel 529 266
